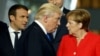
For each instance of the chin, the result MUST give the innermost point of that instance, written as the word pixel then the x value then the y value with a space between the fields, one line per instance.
pixel 23 28
pixel 52 31
pixel 70 33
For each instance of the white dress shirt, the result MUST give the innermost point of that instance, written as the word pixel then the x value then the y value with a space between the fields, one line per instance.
pixel 12 35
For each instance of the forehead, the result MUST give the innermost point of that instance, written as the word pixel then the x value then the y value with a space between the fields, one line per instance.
pixel 71 18
pixel 58 0
pixel 57 15
pixel 21 11
pixel 72 22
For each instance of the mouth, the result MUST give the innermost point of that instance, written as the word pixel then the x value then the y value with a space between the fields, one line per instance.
pixel 24 25
pixel 55 28
pixel 68 28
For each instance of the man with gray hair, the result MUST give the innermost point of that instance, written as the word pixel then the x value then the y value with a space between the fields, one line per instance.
pixel 36 40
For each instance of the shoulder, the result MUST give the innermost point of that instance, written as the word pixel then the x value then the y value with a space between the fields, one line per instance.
pixel 32 30
pixel 93 36
pixel 3 25
pixel 67 37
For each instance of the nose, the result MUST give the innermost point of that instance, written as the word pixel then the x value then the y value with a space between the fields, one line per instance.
pixel 26 19
pixel 67 24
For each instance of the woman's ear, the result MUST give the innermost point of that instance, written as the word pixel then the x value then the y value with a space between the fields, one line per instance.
pixel 80 25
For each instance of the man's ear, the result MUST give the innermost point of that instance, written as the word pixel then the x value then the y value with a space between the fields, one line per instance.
pixel 45 18
pixel 12 18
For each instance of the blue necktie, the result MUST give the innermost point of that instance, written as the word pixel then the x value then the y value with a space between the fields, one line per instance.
pixel 49 37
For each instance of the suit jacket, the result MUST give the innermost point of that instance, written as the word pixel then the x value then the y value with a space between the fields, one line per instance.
pixel 6 48
pixel 3 27
pixel 34 42
pixel 88 46
pixel 61 30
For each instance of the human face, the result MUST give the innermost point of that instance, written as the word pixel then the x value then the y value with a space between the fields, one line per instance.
pixel 73 26
pixel 59 3
pixel 19 21
pixel 53 22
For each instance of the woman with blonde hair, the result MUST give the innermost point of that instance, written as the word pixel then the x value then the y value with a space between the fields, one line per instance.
pixel 80 41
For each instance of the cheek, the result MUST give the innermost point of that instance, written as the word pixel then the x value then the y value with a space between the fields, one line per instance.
pixel 71 27
pixel 54 22
pixel 52 25
pixel 74 29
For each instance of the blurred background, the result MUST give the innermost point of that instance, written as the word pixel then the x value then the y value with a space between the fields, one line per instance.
pixel 93 6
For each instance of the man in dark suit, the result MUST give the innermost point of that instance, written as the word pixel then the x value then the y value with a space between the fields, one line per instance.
pixel 61 30
pixel 18 16
pixel 3 27
pixel 36 40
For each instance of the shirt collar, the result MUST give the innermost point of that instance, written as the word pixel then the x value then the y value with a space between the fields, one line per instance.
pixel 62 9
pixel 12 30
pixel 41 26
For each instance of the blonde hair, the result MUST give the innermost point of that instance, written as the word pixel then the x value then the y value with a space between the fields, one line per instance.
pixel 80 16
pixel 47 9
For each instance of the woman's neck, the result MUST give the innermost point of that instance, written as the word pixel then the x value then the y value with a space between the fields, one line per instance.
pixel 80 35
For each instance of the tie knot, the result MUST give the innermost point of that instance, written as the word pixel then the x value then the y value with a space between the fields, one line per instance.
pixel 50 37
pixel 16 33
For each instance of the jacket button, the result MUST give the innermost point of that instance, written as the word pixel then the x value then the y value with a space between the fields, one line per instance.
pixel 74 53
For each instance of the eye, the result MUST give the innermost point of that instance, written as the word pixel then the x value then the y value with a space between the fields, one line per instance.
pixel 58 18
pixel 69 23
pixel 22 16
pixel 27 17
